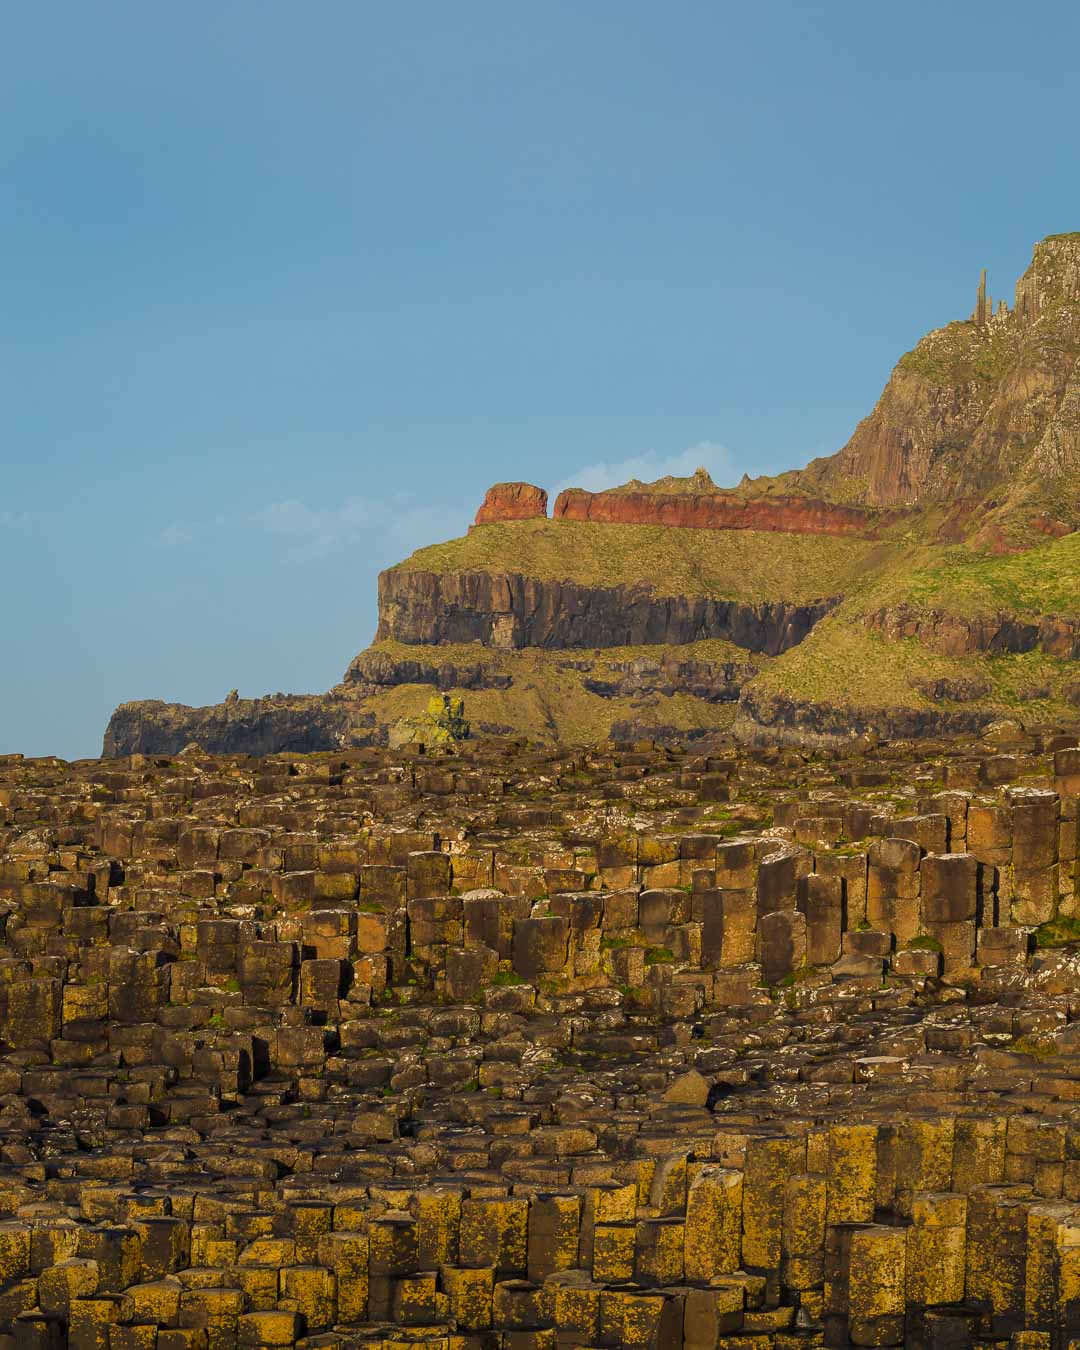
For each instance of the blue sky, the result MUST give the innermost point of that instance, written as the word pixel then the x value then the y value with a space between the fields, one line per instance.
pixel 285 287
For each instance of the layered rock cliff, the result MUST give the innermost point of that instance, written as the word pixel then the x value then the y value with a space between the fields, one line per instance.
pixel 923 580
pixel 507 610
pixel 959 635
pixel 251 726
pixel 718 510
pixel 512 501
pixel 984 411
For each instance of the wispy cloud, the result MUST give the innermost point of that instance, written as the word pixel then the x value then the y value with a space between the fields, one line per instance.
pixel 20 520
pixel 306 533
pixel 651 465
pixel 316 531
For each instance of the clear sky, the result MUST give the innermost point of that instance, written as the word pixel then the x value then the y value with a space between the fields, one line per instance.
pixel 285 287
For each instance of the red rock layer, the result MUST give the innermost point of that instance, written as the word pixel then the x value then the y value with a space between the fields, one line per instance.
pixel 512 501
pixel 709 511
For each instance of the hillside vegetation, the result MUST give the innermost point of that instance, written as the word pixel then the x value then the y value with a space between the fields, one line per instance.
pixel 963 581
pixel 737 564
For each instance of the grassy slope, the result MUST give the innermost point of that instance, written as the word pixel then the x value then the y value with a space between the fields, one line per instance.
pixel 1044 580
pixel 529 659
pixel 548 697
pixel 841 663
pixel 734 564
pixel 552 709
pixel 844 665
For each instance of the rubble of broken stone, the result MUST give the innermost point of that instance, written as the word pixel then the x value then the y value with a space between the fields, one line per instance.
pixel 514 1047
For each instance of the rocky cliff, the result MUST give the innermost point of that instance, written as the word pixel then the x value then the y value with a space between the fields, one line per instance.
pixel 718 510
pixel 959 635
pixel 252 726
pixel 923 580
pixel 983 412
pixel 508 611
pixel 512 501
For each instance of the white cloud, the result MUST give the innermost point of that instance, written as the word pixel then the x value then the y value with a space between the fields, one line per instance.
pixel 314 532
pixel 308 532
pixel 649 466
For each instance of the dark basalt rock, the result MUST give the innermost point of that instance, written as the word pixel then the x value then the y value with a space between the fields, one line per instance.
pixel 959 690
pixel 375 670
pixel 509 611
pixel 252 726
pixel 714 682
pixel 774 718
pixel 996 634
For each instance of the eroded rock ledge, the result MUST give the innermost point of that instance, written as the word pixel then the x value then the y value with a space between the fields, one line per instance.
pixel 249 726
pixel 374 670
pixel 721 511
pixel 954 635
pixel 512 501
pixel 712 681
pixel 776 719
pixel 508 611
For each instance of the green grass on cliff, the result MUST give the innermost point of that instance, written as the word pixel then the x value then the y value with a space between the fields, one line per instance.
pixel 843 664
pixel 734 564
pixel 548 698
pixel 1044 580
pixel 962 352
pixel 715 651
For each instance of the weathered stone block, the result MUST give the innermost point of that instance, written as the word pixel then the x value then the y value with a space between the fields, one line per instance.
pixel 782 944
pixel 540 945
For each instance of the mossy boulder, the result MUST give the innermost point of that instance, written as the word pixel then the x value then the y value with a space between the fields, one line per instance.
pixel 439 727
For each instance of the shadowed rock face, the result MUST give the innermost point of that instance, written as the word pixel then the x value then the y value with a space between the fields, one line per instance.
pixel 508 611
pixel 512 501
pixel 953 635
pixel 251 726
pixel 773 719
pixel 371 671
pixel 714 682
pixel 718 511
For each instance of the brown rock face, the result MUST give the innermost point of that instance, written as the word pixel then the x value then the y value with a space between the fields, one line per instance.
pixel 508 611
pixel 774 719
pixel 253 726
pixel 718 511
pixel 512 501
pixel 954 635
pixel 984 407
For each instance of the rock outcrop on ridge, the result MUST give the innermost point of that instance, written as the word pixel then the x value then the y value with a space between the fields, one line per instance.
pixel 922 580
pixel 509 611
pixel 984 412
pixel 512 501
pixel 715 510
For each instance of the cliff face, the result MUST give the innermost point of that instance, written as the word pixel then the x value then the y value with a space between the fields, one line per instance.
pixel 975 440
pixel 719 511
pixel 772 719
pixel 956 635
pixel 512 501
pixel 510 611
pixel 251 726
pixel 668 675
pixel 986 410
pixel 374 670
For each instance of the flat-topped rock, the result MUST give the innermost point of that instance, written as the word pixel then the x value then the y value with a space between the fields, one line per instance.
pixel 512 501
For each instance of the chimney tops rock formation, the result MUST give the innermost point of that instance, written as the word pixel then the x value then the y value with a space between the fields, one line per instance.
pixel 980 418
pixel 512 501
